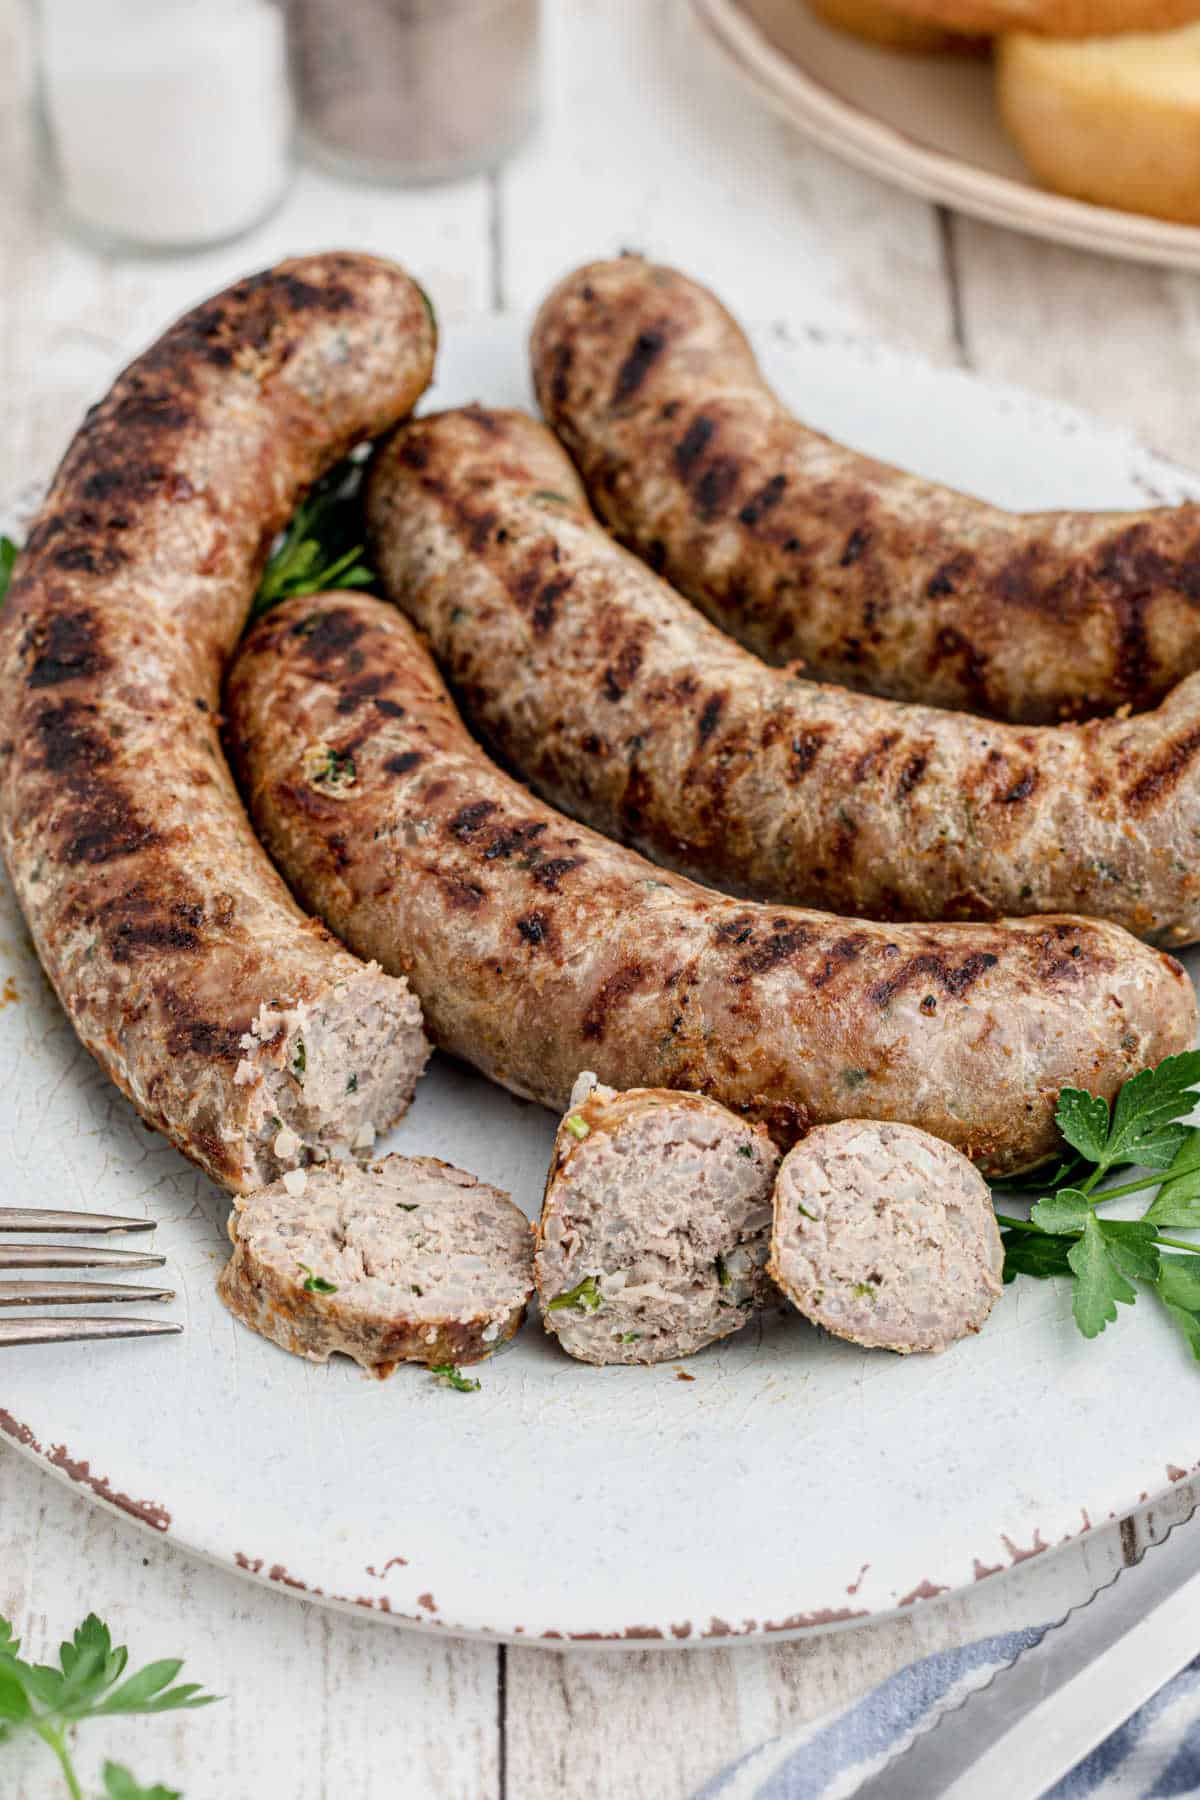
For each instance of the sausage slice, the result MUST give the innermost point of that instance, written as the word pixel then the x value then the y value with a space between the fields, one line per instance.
pixel 886 1236
pixel 654 1228
pixel 625 708
pixel 407 1260
pixel 234 1024
pixel 809 552
pixel 538 948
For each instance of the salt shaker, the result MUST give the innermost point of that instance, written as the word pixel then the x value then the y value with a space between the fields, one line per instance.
pixel 167 124
pixel 415 90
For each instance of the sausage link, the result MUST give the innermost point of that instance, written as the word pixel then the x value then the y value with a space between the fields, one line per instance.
pixel 185 966
pixel 538 948
pixel 596 682
pixel 809 552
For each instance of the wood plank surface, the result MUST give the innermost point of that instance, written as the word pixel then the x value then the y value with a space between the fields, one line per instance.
pixel 645 145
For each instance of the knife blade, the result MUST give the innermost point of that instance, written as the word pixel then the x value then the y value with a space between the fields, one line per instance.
pixel 1043 1713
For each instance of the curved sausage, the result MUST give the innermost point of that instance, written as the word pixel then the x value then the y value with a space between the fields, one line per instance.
pixel 595 681
pixel 538 948
pixel 234 1024
pixel 807 551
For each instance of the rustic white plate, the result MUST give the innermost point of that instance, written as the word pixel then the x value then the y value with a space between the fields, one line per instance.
pixel 928 124
pixel 789 1482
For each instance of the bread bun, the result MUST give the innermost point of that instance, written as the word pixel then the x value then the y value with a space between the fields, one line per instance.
pixel 879 22
pixel 1052 18
pixel 1113 120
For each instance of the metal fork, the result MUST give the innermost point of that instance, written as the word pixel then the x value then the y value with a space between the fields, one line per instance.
pixel 43 1330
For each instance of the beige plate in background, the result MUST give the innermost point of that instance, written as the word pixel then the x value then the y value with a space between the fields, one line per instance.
pixel 925 123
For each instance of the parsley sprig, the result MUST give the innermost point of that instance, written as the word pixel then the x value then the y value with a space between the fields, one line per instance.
pixel 87 1684
pixel 1107 1258
pixel 454 1378
pixel 8 558
pixel 322 548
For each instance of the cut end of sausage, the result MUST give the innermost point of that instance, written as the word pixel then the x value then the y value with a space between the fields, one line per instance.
pixel 653 1235
pixel 886 1236
pixel 328 1076
pixel 406 1260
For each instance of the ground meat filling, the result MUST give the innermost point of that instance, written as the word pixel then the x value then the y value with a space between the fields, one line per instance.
pixel 885 1236
pixel 653 1235
pixel 343 1071
pixel 406 1260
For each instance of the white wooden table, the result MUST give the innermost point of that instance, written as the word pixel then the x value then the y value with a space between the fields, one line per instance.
pixel 645 144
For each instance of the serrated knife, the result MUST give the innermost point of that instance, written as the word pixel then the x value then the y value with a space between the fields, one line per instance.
pixel 1042 1714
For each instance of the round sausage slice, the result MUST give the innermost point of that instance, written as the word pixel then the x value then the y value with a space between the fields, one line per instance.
pixel 885 1236
pixel 653 1233
pixel 406 1260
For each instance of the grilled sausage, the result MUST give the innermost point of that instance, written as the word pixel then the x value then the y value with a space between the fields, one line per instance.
pixel 623 706
pixel 654 1229
pixel 537 947
pixel 886 1237
pixel 235 1025
pixel 409 1260
pixel 807 551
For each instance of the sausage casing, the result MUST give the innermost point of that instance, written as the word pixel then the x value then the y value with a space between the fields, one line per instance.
pixel 809 552
pixel 538 948
pixel 183 962
pixel 595 681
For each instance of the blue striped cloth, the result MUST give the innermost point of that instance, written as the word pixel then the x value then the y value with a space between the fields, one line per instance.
pixel 1154 1756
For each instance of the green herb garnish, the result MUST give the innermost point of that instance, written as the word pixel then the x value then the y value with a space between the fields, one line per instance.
pixel 322 548
pixel 352 1085
pixel 8 557
pixel 335 770
pixel 745 1150
pixel 585 1295
pixel 299 1059
pixel 548 494
pixel 723 1275
pixel 317 1284
pixel 1107 1258
pixel 51 1701
pixel 577 1127
pixel 459 1382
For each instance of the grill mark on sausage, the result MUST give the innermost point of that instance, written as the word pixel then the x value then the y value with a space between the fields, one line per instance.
pixel 911 774
pixel 710 718
pixel 715 486
pixel 954 982
pixel 943 581
pixel 535 928
pixel 870 759
pixel 620 675
pixel 858 541
pixel 390 709
pixel 693 444
pixel 648 346
pixel 403 762
pixel 841 954
pixel 806 747
pixel 768 496
pixel 1164 772
pixel 549 874
pixel 1020 789
pixel 608 996
pixel 517 837
pixel 462 894
pixel 468 820
pixel 546 606
pixel 357 692
pixel 786 941
pixel 328 636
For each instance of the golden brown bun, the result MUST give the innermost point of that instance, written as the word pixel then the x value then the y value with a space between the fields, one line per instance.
pixel 878 22
pixel 1114 120
pixel 1053 18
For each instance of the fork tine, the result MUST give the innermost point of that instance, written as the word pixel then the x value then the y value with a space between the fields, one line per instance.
pixel 38 1218
pixel 74 1293
pixel 66 1256
pixel 74 1331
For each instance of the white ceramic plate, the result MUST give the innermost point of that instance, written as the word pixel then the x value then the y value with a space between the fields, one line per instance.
pixel 924 123
pixel 790 1482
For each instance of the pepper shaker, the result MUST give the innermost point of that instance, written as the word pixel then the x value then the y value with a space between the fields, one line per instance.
pixel 165 124
pixel 415 90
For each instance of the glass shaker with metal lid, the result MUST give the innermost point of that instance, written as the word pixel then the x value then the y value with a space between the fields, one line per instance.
pixel 415 90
